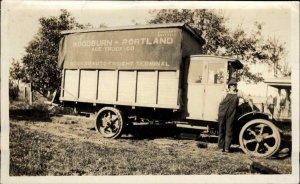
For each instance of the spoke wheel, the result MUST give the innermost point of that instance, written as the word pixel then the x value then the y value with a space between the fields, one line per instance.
pixel 109 122
pixel 260 138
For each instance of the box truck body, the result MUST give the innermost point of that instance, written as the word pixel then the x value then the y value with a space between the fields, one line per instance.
pixel 138 66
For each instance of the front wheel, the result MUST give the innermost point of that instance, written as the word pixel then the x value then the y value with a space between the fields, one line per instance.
pixel 260 138
pixel 109 122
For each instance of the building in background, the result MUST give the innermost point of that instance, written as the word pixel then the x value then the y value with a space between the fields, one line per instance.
pixel 280 104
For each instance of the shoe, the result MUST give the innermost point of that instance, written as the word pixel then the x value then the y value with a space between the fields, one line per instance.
pixel 221 150
pixel 227 151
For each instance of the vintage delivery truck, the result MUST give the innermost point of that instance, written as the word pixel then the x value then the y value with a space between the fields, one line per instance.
pixel 142 74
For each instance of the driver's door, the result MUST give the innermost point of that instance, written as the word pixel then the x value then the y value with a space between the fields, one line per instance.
pixel 205 82
pixel 214 87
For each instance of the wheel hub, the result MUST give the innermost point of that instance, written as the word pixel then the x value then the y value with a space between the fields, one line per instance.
pixel 259 138
pixel 106 122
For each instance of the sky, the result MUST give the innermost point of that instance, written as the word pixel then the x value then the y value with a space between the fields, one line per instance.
pixel 20 19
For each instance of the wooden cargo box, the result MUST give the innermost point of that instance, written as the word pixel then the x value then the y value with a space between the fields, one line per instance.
pixel 133 66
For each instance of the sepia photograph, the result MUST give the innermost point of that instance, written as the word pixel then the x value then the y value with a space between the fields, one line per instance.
pixel 149 92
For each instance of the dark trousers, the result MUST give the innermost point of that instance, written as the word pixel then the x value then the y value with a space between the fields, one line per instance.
pixel 225 130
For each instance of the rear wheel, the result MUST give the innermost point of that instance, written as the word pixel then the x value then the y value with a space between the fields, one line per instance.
pixel 260 138
pixel 109 122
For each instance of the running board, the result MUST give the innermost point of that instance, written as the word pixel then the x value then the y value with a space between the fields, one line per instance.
pixel 151 123
pixel 192 127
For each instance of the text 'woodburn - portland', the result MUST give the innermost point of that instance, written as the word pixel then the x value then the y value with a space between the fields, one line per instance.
pixel 126 49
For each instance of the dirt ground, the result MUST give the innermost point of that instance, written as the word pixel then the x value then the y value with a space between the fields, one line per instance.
pixel 74 141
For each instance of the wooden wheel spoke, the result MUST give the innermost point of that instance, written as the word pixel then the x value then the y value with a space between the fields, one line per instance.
pixel 251 131
pixel 113 120
pixel 104 123
pixel 269 136
pixel 115 123
pixel 249 141
pixel 267 146
pixel 108 128
pixel 256 148
pixel 115 127
pixel 261 129
pixel 105 118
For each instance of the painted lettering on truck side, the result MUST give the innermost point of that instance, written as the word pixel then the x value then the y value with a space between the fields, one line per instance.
pixel 132 49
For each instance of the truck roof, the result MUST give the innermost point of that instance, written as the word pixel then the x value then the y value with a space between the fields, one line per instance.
pixel 223 57
pixel 235 62
pixel 135 27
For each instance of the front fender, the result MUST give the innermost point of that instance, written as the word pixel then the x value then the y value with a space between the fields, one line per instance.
pixel 245 114
pixel 244 118
pixel 254 115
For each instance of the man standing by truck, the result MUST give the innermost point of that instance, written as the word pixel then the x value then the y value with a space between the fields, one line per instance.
pixel 226 116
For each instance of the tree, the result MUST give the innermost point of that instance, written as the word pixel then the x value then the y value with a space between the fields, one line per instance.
pixel 285 69
pixel 274 50
pixel 16 71
pixel 40 60
pixel 208 23
pixel 220 40
pixel 248 48
pixel 254 48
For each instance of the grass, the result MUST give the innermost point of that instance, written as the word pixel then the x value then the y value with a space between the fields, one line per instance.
pixel 64 146
pixel 45 154
pixel 35 151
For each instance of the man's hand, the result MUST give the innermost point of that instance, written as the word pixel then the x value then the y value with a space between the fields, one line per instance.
pixel 250 102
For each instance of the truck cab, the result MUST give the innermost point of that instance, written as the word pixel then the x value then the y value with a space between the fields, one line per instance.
pixel 205 80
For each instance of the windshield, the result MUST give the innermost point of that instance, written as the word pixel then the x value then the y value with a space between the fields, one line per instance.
pixel 216 73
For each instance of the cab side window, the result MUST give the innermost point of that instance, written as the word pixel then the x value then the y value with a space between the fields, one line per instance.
pixel 216 73
pixel 195 72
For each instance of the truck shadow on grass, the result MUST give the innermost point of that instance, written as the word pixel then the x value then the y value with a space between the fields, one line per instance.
pixel 140 132
pixel 151 132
